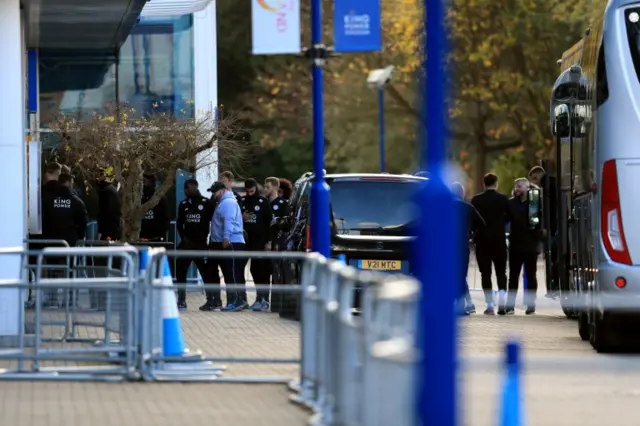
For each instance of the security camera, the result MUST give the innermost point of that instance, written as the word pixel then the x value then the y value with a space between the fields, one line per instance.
pixel 380 77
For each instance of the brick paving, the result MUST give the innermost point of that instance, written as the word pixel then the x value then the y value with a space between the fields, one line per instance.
pixel 215 334
pixel 552 398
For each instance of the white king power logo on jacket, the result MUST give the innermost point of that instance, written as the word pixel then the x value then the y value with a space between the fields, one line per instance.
pixel 62 203
pixel 193 218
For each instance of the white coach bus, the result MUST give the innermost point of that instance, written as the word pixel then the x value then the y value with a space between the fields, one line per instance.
pixel 595 116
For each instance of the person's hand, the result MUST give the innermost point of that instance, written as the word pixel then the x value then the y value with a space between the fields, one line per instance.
pixel 226 243
pixel 544 233
pixel 267 247
pixel 246 216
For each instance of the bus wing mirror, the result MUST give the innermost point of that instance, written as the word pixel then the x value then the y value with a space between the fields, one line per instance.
pixel 561 121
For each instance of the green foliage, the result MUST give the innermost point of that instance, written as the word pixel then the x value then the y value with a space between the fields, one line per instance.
pixel 508 167
pixel 505 56
pixel 503 62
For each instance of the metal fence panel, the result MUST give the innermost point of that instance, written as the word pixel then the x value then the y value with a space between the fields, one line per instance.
pixel 58 352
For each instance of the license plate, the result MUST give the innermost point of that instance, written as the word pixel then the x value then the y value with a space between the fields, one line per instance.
pixel 381 265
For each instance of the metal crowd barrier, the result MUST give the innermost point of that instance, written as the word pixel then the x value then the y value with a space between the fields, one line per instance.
pixel 196 366
pixel 107 355
pixel 128 340
pixel 356 369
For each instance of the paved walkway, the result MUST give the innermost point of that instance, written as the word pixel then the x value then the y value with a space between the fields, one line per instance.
pixel 552 398
pixel 244 334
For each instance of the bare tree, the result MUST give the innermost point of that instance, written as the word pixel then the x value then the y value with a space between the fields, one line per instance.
pixel 123 146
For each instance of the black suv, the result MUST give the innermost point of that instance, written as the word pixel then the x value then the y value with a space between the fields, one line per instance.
pixel 371 214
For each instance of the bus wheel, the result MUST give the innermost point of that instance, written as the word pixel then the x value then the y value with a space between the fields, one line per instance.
pixel 584 328
pixel 603 336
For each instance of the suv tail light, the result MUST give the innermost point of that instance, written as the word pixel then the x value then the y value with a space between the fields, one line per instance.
pixel 611 217
pixel 308 244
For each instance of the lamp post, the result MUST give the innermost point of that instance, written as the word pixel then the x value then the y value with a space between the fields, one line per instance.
pixel 320 233
pixel 378 79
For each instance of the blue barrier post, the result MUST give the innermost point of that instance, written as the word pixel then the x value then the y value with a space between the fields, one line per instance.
pixel 511 414
pixel 320 236
pixel 436 256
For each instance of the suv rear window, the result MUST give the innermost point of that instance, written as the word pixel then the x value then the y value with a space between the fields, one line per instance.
pixel 362 205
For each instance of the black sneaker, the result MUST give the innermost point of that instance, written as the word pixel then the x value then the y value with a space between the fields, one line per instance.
pixel 489 311
pixel 182 305
pixel 510 311
pixel 210 306
pixel 530 310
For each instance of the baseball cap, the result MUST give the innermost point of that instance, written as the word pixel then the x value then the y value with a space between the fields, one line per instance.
pixel 217 186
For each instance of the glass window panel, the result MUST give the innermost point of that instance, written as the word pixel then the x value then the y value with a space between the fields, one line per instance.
pixel 155 68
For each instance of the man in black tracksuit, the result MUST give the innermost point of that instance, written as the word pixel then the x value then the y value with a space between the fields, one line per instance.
pixel 49 189
pixel 538 176
pixel 155 222
pixel 279 209
pixel 193 223
pixel 109 229
pixel 491 243
pixel 471 224
pixel 257 216
pixel 524 247
pixel 109 215
pixel 64 217
pixel 279 206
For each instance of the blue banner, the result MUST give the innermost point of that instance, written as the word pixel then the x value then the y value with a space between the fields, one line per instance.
pixel 357 26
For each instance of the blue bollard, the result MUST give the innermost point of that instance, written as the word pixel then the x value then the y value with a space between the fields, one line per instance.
pixel 511 414
pixel 435 253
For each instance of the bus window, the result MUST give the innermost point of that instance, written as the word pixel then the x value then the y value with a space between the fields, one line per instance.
pixel 632 20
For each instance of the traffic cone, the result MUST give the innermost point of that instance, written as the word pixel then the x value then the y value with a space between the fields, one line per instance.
pixel 511 414
pixel 172 339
